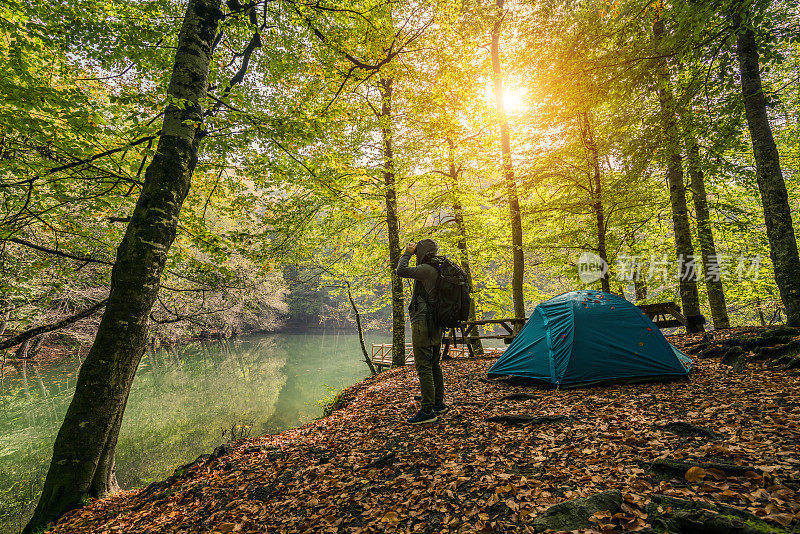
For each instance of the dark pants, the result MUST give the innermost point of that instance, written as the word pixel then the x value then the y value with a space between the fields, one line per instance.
pixel 427 345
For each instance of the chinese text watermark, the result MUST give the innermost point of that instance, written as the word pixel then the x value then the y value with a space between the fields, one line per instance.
pixel 630 268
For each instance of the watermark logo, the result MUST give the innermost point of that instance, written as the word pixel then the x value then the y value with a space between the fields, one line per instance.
pixel 661 268
pixel 627 268
pixel 591 267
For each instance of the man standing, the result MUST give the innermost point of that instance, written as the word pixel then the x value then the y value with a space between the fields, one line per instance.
pixel 426 335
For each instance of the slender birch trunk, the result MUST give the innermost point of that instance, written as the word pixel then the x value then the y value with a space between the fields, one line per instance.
pixel 705 235
pixel 392 224
pixel 690 297
pixel 596 195
pixel 458 213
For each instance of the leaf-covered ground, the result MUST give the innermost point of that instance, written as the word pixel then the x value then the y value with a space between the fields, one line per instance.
pixel 363 469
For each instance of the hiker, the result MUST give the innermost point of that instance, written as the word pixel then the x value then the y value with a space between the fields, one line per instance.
pixel 426 335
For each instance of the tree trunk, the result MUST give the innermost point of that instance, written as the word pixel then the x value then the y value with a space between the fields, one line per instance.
pixel 42 388
pixel 774 198
pixel 508 173
pixel 596 193
pixel 690 297
pixel 83 454
pixel 601 243
pixel 711 270
pixel 640 289
pixel 458 213
pixel 761 318
pixel 36 345
pixel 367 359
pixel 6 316
pixel 393 226
pixel 22 351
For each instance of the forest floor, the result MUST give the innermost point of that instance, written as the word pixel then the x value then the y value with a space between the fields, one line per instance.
pixel 729 440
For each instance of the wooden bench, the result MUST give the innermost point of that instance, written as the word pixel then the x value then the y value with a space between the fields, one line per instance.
pixel 660 313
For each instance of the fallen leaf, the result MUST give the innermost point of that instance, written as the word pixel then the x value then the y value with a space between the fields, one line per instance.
pixel 783 519
pixel 695 474
pixel 390 517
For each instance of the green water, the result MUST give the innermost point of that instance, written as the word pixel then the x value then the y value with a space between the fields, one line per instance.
pixel 183 403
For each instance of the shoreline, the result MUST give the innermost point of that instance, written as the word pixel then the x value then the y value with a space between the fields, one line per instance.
pixel 362 469
pixel 62 349
pixel 59 350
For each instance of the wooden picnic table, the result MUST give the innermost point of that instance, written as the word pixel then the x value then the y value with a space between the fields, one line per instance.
pixel 471 332
pixel 660 313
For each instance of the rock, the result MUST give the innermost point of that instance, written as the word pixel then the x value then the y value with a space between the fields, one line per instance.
pixel 222 450
pixel 758 344
pixel 575 514
pixel 697 347
pixel 678 468
pixel 383 461
pixel 736 358
pixel 792 346
pixel 684 429
pixel 681 516
pixel 738 364
pixel 790 362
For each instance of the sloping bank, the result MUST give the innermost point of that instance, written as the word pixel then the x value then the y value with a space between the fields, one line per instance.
pixel 721 449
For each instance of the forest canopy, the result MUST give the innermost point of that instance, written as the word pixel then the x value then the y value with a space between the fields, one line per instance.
pixel 179 168
pixel 334 132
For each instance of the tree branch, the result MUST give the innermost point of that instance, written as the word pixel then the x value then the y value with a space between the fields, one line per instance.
pixel 41 248
pixel 33 332
pixel 100 155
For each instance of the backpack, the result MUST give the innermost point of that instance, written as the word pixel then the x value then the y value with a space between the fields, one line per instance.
pixel 450 301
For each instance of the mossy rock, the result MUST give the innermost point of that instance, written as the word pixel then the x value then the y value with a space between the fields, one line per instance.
pixel 764 344
pixel 575 514
pixel 780 334
pixel 678 468
pixel 685 429
pixel 682 516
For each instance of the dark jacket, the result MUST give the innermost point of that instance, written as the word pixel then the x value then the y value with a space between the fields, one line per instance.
pixel 424 276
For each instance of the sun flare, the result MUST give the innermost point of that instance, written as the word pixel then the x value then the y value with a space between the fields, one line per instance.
pixel 514 98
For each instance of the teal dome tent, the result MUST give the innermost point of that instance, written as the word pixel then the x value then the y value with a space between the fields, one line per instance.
pixel 587 337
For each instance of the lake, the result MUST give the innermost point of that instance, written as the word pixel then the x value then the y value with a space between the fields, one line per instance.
pixel 183 403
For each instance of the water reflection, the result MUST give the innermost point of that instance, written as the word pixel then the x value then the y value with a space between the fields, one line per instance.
pixel 181 401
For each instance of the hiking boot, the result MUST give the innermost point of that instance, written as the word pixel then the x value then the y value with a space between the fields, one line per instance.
pixel 422 417
pixel 440 408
